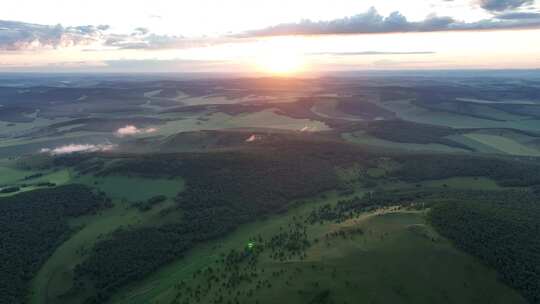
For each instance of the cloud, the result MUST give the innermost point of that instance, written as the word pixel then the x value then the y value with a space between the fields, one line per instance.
pixel 78 148
pixel 140 31
pixel 15 36
pixel 371 22
pixel 18 36
pixel 131 130
pixel 502 5
pixel 519 16
pixel 253 138
pixel 186 66
pixel 308 129
pixel 142 39
pixel 372 53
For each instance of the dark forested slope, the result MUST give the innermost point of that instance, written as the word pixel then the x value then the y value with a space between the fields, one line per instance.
pixel 503 231
pixel 32 225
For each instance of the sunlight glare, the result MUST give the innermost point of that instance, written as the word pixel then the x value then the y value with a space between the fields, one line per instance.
pixel 280 63
pixel 280 57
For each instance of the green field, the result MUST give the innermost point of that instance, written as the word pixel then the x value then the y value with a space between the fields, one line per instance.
pixel 504 144
pixel 218 121
pixel 408 111
pixel 55 278
pixel 328 108
pixel 11 176
pixel 340 201
pixel 399 259
pixel 361 137
pixel 480 183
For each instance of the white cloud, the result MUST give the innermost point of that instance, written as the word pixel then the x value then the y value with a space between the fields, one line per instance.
pixel 81 148
pixel 372 22
pixel 253 138
pixel 131 130
pixel 16 36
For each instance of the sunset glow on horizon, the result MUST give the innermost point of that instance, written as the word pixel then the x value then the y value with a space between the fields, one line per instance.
pixel 259 37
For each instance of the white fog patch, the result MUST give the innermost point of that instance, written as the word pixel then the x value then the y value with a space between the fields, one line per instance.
pixel 82 148
pixel 131 130
pixel 308 129
pixel 253 138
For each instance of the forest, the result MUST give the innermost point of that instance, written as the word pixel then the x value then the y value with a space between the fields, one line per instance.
pixel 32 225
pixel 507 172
pixel 409 132
pixel 502 231
pixel 499 227
pixel 224 190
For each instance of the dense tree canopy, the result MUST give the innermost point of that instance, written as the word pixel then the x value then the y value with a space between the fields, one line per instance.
pixel 32 225
pixel 503 231
pixel 223 190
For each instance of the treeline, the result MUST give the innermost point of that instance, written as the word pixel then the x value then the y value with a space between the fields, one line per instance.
pixel 409 132
pixel 445 104
pixel 499 227
pixel 503 231
pixel 361 107
pixel 227 189
pixel 511 173
pixel 148 204
pixel 223 191
pixel 32 225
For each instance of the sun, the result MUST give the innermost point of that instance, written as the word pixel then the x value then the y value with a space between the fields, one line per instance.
pixel 279 56
pixel 280 63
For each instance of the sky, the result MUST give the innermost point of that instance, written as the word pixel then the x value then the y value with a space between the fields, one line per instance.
pixel 267 37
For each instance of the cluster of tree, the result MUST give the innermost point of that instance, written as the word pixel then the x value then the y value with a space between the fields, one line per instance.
pixel 43 184
pixel 227 189
pixel 10 189
pixel 17 188
pixel 512 173
pixel 39 185
pixel 445 104
pixel 502 230
pixel 236 276
pixel 83 163
pixel 223 191
pixel 32 225
pixel 351 208
pixel 129 255
pixel 344 233
pixel 322 297
pixel 289 243
pixel 361 107
pixel 300 109
pixel 500 227
pixel 410 132
pixel 147 205
pixel 32 176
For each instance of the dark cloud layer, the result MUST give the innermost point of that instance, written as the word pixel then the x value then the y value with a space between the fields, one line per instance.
pixel 501 5
pixel 24 36
pixel 371 22
pixel 519 16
